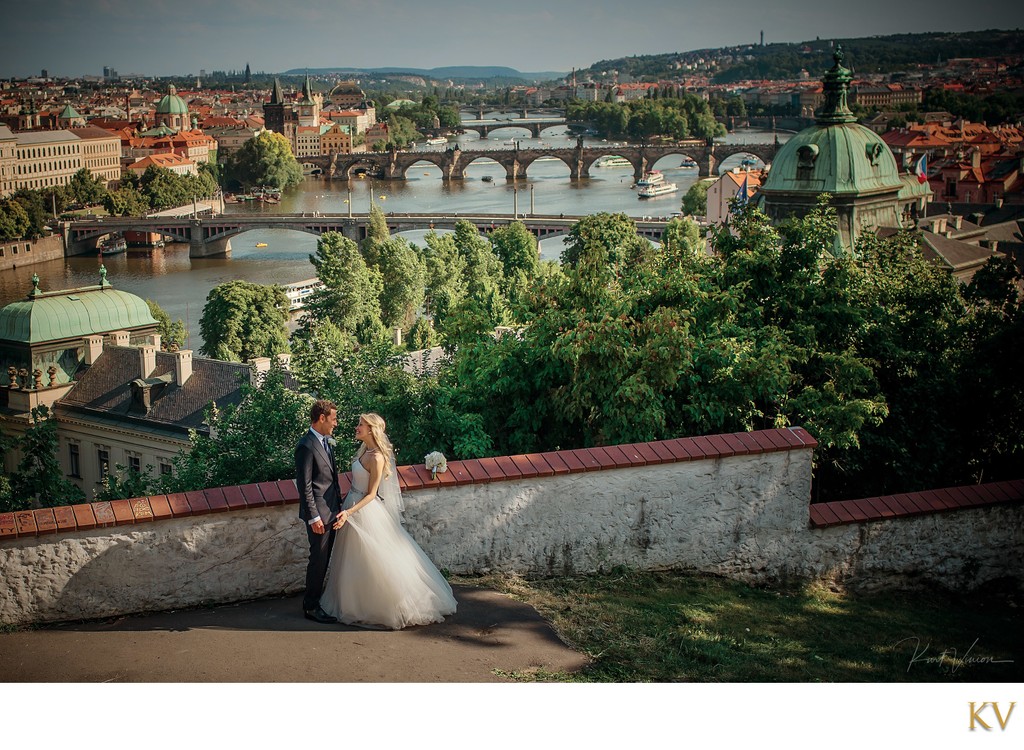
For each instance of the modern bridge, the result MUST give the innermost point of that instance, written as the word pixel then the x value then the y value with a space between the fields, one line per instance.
pixel 395 165
pixel 211 236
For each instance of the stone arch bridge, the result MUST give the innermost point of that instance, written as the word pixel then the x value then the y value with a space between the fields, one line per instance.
pixel 211 236
pixel 395 165
pixel 486 127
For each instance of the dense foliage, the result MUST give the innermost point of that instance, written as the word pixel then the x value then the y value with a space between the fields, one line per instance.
pixel 242 321
pixel 266 159
pixel 159 188
pixel 877 54
pixel 38 481
pixel 905 377
pixel 680 118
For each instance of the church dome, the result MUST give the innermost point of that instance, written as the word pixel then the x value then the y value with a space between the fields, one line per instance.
pixel 172 104
pixel 72 314
pixel 835 155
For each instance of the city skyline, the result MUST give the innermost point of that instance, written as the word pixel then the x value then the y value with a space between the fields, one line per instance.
pixel 159 38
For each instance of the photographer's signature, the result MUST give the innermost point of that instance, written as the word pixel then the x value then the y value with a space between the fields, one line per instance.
pixel 948 657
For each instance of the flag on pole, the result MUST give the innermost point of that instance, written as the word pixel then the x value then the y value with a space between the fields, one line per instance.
pixel 921 169
pixel 743 195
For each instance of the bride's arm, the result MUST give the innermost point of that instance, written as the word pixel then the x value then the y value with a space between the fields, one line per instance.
pixel 376 472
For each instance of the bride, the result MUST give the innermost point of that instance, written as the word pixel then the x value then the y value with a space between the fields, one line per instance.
pixel 378 576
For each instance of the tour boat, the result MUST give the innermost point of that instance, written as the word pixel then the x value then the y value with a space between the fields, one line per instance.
pixel 651 178
pixel 113 245
pixel 299 292
pixel 613 161
pixel 653 191
pixel 436 141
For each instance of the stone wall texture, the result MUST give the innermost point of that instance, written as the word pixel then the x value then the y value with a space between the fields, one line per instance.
pixel 741 516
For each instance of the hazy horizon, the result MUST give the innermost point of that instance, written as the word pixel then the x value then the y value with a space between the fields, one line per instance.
pixel 162 38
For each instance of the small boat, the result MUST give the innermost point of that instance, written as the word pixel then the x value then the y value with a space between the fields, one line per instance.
pixel 487 178
pixel 651 178
pixel 653 191
pixel 261 244
pixel 113 245
pixel 436 141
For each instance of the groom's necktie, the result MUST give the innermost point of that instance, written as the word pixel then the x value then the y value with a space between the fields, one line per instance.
pixel 327 447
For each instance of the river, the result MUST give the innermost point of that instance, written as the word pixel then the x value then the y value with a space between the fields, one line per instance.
pixel 180 284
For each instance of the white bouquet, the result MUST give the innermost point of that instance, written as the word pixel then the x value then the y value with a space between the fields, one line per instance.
pixel 435 462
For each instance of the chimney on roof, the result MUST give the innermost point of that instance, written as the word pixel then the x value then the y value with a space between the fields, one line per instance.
pixel 93 346
pixel 958 221
pixel 147 360
pixel 120 338
pixel 182 366
pixel 976 158
pixel 257 367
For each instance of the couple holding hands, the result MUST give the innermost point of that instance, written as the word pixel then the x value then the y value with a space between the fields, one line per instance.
pixel 364 568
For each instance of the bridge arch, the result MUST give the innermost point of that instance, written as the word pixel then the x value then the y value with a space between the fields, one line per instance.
pixel 436 159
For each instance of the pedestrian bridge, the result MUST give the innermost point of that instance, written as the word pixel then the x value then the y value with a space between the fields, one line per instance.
pixel 211 236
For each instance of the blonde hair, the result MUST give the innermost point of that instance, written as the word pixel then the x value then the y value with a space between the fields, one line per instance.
pixel 377 425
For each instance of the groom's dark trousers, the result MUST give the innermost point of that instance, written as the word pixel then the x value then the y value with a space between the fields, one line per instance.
pixel 316 477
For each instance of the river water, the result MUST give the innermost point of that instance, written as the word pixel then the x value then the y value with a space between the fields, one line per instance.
pixel 180 284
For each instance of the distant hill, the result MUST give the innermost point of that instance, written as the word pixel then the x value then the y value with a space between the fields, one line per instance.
pixel 877 54
pixel 455 72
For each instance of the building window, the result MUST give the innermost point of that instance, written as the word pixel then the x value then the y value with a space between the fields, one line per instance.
pixel 74 460
pixel 135 463
pixel 103 461
pixel 165 468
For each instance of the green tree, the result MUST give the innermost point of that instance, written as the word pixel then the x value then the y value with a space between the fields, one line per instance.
pixel 36 208
pixel 126 201
pixel 350 297
pixel 695 202
pixel 14 221
pixel 172 333
pixel 164 189
pixel 266 159
pixel 403 283
pixel 517 249
pixel 251 442
pixel 86 189
pixel 39 480
pixel 242 321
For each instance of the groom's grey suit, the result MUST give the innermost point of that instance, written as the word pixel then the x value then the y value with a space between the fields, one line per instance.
pixel 316 476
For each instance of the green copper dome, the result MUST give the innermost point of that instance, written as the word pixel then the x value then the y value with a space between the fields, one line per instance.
pixel 172 104
pixel 835 155
pixel 72 314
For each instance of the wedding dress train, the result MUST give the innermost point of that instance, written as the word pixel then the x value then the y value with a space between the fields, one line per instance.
pixel 378 575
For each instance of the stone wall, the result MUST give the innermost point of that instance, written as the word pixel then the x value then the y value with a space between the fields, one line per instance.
pixel 15 253
pixel 734 505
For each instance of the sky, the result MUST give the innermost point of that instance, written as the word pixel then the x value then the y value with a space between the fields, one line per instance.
pixel 182 37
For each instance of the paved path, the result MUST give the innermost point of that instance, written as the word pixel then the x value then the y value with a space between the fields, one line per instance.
pixel 270 641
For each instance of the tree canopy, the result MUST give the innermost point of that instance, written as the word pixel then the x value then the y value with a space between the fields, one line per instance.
pixel 266 159
pixel 242 321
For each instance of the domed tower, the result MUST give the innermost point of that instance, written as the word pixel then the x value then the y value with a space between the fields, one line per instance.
pixel 172 111
pixel 836 156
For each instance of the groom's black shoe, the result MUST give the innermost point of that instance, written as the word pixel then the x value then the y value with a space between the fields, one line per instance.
pixel 319 615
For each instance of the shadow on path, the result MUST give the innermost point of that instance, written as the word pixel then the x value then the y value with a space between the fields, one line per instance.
pixel 269 640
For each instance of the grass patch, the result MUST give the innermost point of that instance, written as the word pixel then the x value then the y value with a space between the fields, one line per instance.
pixel 670 626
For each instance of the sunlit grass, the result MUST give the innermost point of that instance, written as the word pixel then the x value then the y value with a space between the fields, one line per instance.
pixel 668 626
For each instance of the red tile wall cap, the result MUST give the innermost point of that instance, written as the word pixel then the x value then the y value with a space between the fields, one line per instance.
pixel 905 505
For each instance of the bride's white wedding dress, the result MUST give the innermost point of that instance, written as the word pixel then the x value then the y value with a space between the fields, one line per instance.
pixel 379 576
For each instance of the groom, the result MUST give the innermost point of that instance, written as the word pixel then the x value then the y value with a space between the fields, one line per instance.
pixel 316 476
